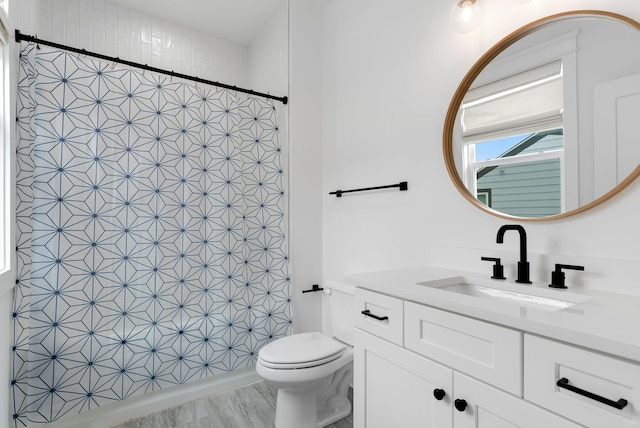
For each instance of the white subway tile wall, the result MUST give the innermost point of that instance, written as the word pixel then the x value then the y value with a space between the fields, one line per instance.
pixel 115 30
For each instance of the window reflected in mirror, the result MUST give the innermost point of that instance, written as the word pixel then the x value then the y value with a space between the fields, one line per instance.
pixel 513 146
pixel 520 175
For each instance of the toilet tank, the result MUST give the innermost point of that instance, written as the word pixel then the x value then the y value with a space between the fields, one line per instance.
pixel 339 297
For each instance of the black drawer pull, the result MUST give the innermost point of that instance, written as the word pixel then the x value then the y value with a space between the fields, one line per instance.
pixel 564 383
pixel 369 314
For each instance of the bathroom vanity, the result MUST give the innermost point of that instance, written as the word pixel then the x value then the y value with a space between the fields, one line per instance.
pixel 436 348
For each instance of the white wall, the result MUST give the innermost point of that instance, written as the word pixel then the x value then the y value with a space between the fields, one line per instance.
pixel 390 71
pixel 306 196
pixel 268 56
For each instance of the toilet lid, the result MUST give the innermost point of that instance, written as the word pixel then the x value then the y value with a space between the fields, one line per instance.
pixel 301 350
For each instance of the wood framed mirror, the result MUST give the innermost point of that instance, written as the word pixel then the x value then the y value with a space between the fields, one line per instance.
pixel 542 126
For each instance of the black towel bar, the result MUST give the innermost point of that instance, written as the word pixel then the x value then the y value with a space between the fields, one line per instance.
pixel 402 185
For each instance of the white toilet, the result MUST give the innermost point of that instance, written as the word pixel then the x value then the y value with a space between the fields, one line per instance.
pixel 311 371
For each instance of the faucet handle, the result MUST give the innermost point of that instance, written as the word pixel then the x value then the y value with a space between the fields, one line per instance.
pixel 557 276
pixel 498 269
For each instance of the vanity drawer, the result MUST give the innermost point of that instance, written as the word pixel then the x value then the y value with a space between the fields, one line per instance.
pixel 485 351
pixel 383 315
pixel 595 375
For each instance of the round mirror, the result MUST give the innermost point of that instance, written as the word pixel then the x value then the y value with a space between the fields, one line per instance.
pixel 543 126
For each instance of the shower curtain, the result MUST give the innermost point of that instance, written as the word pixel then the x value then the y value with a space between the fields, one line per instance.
pixel 151 234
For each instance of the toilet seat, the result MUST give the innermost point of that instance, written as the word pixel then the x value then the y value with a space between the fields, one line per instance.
pixel 300 351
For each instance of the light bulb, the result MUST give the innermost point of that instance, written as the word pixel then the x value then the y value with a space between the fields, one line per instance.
pixel 465 15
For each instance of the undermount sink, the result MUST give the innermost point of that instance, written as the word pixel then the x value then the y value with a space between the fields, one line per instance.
pixel 530 296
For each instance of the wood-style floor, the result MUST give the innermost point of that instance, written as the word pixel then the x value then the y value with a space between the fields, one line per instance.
pixel 252 406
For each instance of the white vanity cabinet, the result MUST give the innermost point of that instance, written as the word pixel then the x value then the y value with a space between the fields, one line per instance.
pixel 593 389
pixel 445 371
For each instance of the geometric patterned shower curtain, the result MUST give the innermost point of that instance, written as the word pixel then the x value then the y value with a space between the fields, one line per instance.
pixel 151 234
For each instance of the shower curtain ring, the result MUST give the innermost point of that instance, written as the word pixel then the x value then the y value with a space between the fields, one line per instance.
pixel 37 42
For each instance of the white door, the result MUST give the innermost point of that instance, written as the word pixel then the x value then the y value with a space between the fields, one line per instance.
pixel 616 132
pixel 394 387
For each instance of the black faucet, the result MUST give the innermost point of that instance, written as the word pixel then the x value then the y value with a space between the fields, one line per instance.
pixel 523 264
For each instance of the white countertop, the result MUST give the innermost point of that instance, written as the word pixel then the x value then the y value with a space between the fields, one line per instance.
pixel 605 322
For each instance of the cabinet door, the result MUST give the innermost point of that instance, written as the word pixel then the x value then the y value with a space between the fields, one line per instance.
pixel 488 407
pixel 394 387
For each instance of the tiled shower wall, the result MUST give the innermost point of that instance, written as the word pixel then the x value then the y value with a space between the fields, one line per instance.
pixel 118 31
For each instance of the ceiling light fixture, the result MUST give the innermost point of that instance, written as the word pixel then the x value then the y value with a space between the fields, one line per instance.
pixel 465 15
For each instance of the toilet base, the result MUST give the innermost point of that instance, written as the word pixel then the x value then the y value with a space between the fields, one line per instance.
pixel 294 407
pixel 327 416
pixel 333 403
pixel 329 403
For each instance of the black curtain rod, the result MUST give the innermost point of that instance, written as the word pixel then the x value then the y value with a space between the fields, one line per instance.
pixel 27 38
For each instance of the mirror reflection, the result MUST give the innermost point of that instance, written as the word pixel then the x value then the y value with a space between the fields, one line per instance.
pixel 547 126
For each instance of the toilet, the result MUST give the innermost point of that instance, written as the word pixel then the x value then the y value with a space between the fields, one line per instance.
pixel 312 371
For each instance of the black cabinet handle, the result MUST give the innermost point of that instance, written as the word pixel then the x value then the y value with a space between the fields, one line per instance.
pixel 439 393
pixel 564 383
pixel 461 405
pixel 376 317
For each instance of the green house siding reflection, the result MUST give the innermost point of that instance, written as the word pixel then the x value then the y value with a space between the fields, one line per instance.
pixel 526 189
